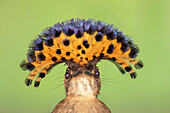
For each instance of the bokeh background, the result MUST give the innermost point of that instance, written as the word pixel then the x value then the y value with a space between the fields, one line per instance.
pixel 146 21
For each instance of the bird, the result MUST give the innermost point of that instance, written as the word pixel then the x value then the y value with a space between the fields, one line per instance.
pixel 80 44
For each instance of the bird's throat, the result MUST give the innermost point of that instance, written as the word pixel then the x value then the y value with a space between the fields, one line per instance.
pixel 83 88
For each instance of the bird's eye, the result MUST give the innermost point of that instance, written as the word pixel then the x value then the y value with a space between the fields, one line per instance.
pixel 67 74
pixel 97 73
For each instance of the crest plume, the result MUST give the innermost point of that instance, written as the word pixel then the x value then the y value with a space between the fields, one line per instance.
pixel 83 43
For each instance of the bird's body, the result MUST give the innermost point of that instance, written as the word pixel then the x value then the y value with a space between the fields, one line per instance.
pixel 81 105
pixel 81 97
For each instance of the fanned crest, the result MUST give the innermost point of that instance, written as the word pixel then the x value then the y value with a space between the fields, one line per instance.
pixel 83 42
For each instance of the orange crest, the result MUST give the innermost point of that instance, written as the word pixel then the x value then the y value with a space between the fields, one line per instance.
pixel 82 42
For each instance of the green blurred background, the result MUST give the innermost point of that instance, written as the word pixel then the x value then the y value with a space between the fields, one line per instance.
pixel 146 21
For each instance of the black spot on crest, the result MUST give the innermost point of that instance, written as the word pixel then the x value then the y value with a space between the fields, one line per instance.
pixel 23 65
pixel 90 27
pixel 79 32
pixel 49 42
pixel 133 75
pixel 79 47
pixel 30 66
pixel 54 59
pixel 63 59
pixel 99 37
pixel 37 44
pixel 57 30
pixel 78 54
pixel 36 84
pixel 41 57
pixel 139 65
pixel 66 42
pixel 111 35
pixel 70 32
pixel 58 51
pixel 110 49
pixel 125 47
pixel 83 51
pixel 113 58
pixel 68 29
pixel 28 81
pixel 85 43
pixel 67 53
pixel 31 55
pixel 128 69
pixel 134 51
pixel 101 55
pixel 42 75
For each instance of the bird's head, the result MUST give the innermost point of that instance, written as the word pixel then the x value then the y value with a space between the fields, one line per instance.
pixel 82 81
